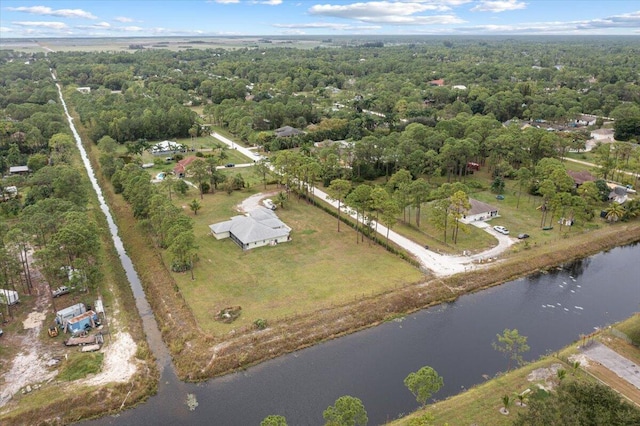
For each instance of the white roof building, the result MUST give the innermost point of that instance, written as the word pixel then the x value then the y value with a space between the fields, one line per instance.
pixel 259 227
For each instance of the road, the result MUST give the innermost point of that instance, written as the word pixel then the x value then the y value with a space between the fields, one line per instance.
pixel 440 265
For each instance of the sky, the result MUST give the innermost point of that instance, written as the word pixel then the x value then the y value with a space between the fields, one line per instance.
pixel 193 18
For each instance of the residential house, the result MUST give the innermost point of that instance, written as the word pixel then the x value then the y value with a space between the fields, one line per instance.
pixel 259 227
pixel 602 135
pixel 287 131
pixel 618 194
pixel 19 170
pixel 181 168
pixel 479 211
pixel 585 120
pixel 580 177
pixel 438 83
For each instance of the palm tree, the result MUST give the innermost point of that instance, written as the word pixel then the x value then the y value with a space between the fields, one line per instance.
pixel 195 206
pixel 614 212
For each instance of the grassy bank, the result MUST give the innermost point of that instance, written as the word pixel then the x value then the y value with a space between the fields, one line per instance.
pixel 481 404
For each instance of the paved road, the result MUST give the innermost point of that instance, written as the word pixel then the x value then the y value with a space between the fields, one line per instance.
pixel 615 362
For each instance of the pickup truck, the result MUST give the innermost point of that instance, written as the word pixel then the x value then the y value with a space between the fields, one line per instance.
pixel 60 291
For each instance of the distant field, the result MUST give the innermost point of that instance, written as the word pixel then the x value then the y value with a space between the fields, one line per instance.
pixel 170 43
pixel 317 269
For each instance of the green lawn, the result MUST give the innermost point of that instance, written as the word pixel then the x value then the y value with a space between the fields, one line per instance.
pixel 318 268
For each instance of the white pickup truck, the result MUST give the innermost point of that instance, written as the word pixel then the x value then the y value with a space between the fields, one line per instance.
pixel 268 203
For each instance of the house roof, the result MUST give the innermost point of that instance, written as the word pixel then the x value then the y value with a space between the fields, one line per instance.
pixel 580 177
pixel 439 82
pixel 18 169
pixel 259 224
pixel 182 165
pixel 604 132
pixel 478 207
pixel 287 131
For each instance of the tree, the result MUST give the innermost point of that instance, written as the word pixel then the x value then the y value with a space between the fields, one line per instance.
pixel 181 187
pixel 347 411
pixel 418 191
pixel 579 403
pixel 182 249
pixel 360 198
pixel 338 190
pixel 512 344
pixel 423 384
pixel 614 212
pixel 459 206
pixel 195 206
pixel 262 170
pixel 200 172
pixel 524 176
pixel 274 420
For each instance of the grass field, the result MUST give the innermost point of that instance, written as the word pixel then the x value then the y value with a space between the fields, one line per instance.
pixel 319 268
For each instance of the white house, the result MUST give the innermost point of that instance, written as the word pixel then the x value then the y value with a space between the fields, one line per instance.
pixel 259 227
pixel 585 120
pixel 479 211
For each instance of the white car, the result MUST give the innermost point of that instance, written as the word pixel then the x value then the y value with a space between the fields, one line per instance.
pixel 501 229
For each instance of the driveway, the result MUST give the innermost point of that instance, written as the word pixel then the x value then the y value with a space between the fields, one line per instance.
pixel 441 265
pixel 613 361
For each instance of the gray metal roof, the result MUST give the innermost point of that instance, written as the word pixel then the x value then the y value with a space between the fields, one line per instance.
pixel 259 224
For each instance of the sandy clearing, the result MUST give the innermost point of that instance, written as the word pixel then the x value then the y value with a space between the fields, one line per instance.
pixel 118 365
pixel 27 369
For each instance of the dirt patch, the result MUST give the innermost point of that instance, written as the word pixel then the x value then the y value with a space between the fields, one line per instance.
pixel 118 365
pixel 34 320
pixel 27 369
pixel 545 377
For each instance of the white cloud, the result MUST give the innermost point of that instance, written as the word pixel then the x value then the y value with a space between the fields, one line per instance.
pixel 387 12
pixel 123 19
pixel 40 24
pixel 5 30
pixel 270 2
pixel 132 29
pixel 371 10
pixel 498 6
pixel 226 1
pixel 45 10
pixel 98 26
pixel 627 20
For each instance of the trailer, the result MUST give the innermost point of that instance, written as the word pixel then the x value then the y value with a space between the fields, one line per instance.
pixel 66 314
pixel 91 339
pixel 9 297
pixel 82 322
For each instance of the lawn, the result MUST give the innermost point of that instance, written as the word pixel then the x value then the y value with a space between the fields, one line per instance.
pixel 319 268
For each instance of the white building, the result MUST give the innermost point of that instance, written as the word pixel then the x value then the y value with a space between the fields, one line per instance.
pixel 259 227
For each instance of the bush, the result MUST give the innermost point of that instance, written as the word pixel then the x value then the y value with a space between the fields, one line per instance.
pixel 260 323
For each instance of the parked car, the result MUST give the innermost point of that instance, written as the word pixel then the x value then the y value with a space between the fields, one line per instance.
pixel 501 229
pixel 230 165
pixel 1 332
pixel 523 236
pixel 60 291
